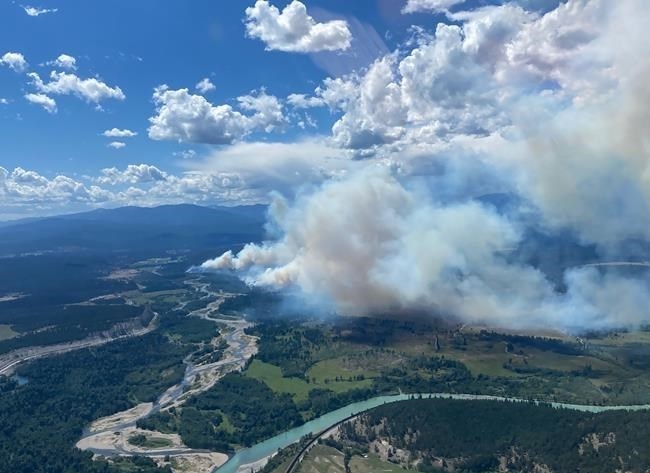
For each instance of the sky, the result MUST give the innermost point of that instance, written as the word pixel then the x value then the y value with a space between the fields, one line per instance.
pixel 120 103
pixel 72 71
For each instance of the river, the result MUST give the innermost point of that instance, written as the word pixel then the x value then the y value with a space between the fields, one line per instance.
pixel 244 458
pixel 240 348
pixel 108 436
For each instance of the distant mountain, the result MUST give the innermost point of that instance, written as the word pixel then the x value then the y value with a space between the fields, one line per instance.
pixel 132 229
pixel 10 223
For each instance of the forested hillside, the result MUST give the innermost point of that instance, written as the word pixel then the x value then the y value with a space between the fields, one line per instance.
pixel 436 435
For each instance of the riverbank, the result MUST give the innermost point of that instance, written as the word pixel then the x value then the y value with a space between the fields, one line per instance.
pixel 259 454
pixel 109 436
pixel 9 361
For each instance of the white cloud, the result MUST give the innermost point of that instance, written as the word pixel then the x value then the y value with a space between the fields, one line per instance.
pixel 293 30
pixel 205 85
pixel 203 188
pixel 338 92
pixel 185 154
pixel 263 168
pixel 148 185
pixel 267 110
pixel 64 61
pixel 132 174
pixel 15 61
pixel 37 11
pixel 303 101
pixel 91 90
pixel 4 101
pixel 378 114
pixel 563 48
pixel 48 103
pixel 464 79
pixel 414 6
pixel 186 117
pixel 24 191
pixel 116 144
pixel 117 133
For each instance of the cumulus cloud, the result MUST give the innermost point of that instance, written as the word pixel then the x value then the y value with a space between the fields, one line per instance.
pixel 293 30
pixel 414 6
pixel 24 190
pixel 265 168
pixel 303 101
pixel 64 61
pixel 267 109
pixel 149 185
pixel 118 133
pixel 132 174
pixel 205 85
pixel 465 78
pixel 446 86
pixel 48 103
pixel 38 11
pixel 185 154
pixel 116 144
pixel 14 61
pixel 91 90
pixel 186 117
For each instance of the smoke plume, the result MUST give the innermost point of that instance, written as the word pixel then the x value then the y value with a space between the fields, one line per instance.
pixel 369 245
pixel 575 160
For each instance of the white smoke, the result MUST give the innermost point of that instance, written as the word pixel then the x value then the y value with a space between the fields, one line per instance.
pixel 579 156
pixel 369 245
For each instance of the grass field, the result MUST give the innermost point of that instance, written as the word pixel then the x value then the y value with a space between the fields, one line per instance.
pixel 323 375
pixel 272 376
pixel 141 298
pixel 373 464
pixel 322 459
pixel 150 442
pixel 6 332
pixel 226 423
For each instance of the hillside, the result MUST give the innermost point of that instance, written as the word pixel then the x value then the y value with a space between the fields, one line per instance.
pixel 134 229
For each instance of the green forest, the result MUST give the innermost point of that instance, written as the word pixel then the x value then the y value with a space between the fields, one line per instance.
pixel 477 436
pixel 41 421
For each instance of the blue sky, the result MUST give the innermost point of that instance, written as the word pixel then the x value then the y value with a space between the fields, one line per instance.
pixel 100 104
pixel 138 46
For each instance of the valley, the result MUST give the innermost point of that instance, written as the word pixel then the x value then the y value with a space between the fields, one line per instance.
pixel 157 368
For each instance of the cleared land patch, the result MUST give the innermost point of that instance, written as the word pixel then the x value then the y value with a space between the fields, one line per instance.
pixel 322 459
pixel 271 375
pixel 373 464
pixel 6 332
pixel 327 374
pixel 335 374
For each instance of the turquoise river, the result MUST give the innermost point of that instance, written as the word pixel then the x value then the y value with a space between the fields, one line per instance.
pixel 268 447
